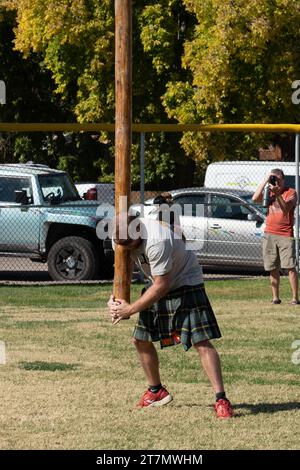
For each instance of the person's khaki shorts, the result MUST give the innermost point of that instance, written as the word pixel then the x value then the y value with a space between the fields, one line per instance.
pixel 278 252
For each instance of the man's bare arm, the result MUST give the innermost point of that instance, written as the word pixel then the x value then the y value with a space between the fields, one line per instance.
pixel 120 309
pixel 258 195
pixel 156 291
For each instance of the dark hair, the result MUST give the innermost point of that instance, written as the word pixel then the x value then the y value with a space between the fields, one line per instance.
pixel 121 220
pixel 278 172
pixel 163 198
pixel 158 200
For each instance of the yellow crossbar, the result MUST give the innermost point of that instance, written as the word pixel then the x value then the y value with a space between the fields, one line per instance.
pixel 97 127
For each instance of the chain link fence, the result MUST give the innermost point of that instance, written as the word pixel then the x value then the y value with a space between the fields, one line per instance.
pixel 233 225
pixel 48 225
pixel 48 228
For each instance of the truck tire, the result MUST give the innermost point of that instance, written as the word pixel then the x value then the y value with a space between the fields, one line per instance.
pixel 72 259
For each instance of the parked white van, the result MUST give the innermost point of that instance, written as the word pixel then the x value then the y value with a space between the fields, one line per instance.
pixel 245 175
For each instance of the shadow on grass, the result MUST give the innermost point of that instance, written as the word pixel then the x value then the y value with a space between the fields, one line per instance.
pixel 266 407
pixel 49 366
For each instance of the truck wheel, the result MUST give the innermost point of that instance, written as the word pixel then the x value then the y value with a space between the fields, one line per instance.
pixel 72 259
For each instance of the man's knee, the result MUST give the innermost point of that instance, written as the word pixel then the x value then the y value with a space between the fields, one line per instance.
pixel 135 341
pixel 202 345
pixel 140 344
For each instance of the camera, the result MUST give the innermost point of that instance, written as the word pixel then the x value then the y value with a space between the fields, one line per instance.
pixel 266 193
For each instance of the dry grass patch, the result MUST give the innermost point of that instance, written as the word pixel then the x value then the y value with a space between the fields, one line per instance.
pixel 72 379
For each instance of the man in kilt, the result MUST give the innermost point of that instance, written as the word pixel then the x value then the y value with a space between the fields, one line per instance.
pixel 173 309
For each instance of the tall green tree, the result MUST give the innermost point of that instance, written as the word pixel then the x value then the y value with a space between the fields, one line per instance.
pixel 243 57
pixel 30 96
pixel 76 40
pixel 207 61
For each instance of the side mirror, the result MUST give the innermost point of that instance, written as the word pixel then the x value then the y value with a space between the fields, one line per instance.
pixel 254 217
pixel 21 197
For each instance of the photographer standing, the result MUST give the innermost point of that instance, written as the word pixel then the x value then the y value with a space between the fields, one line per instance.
pixel 279 243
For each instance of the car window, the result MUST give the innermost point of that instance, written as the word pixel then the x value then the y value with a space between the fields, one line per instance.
pixel 10 184
pixel 58 187
pixel 225 207
pixel 192 204
pixel 257 205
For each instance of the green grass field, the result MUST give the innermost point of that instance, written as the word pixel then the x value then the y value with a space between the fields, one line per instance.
pixel 72 379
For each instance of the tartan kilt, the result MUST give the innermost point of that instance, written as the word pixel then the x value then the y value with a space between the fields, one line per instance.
pixel 182 316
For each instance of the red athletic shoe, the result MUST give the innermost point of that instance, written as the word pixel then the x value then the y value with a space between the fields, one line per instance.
pixel 223 409
pixel 162 397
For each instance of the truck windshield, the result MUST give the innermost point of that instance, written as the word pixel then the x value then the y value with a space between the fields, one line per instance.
pixel 58 188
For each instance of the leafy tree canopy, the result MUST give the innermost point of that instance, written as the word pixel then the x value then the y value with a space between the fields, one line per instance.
pixel 194 61
pixel 76 41
pixel 243 57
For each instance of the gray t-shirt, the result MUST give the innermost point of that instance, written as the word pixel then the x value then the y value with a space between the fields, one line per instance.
pixel 161 252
